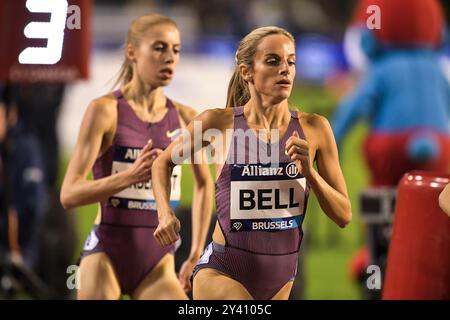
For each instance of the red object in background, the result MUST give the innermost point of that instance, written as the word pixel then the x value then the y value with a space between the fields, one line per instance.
pixel 387 156
pixel 74 62
pixel 405 22
pixel 359 263
pixel 418 265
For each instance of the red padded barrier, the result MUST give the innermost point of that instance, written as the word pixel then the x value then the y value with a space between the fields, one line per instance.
pixel 418 265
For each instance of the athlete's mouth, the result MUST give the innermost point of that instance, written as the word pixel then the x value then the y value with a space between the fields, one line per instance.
pixel 284 82
pixel 167 72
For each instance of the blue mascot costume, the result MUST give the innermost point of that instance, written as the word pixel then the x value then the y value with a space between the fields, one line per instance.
pixel 404 95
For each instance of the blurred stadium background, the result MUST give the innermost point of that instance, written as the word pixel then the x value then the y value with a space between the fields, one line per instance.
pixel 210 32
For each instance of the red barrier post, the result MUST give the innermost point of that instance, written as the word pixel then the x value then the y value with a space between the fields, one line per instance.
pixel 418 265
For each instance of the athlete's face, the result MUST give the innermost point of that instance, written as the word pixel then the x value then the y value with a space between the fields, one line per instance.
pixel 157 55
pixel 273 69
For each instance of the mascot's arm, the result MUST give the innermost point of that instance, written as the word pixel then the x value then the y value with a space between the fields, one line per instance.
pixel 359 104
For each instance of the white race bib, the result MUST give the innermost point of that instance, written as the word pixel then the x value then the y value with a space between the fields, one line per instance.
pixel 140 196
pixel 265 198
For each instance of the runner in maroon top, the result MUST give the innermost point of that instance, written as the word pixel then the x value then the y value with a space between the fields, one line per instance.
pixel 263 179
pixel 255 247
pixel 121 135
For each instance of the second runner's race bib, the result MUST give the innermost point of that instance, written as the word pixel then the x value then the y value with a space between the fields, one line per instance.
pixel 140 195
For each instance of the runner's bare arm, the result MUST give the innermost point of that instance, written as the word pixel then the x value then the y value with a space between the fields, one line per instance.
pixel 201 208
pixel 202 199
pixel 181 148
pixel 328 181
pixel 77 190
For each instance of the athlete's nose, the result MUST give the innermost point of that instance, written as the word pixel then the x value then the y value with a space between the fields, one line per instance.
pixel 169 57
pixel 284 69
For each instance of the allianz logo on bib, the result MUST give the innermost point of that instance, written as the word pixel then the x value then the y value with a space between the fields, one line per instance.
pixel 291 170
pixel 132 153
pixel 258 170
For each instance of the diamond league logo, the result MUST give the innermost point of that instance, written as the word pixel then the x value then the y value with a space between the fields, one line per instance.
pixel 237 225
pixel 115 202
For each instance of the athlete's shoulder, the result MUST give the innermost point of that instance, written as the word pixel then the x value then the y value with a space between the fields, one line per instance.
pixel 313 120
pixel 219 118
pixel 186 112
pixel 209 117
pixel 317 128
pixel 218 112
pixel 104 105
pixel 102 112
pixel 181 107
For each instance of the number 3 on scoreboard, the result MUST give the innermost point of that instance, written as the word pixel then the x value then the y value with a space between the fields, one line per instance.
pixel 53 31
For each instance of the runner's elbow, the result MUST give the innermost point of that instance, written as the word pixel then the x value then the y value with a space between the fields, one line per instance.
pixel 66 199
pixel 345 219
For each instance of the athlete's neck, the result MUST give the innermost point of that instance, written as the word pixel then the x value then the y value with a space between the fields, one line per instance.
pixel 266 114
pixel 144 96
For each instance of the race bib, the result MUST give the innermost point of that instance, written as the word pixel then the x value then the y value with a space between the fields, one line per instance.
pixel 266 198
pixel 140 196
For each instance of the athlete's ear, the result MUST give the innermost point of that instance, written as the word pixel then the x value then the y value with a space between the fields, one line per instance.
pixel 131 52
pixel 246 73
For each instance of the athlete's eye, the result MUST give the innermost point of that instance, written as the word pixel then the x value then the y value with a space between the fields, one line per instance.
pixel 159 47
pixel 272 61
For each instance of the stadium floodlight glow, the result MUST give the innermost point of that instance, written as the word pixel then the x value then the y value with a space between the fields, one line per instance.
pixel 53 31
